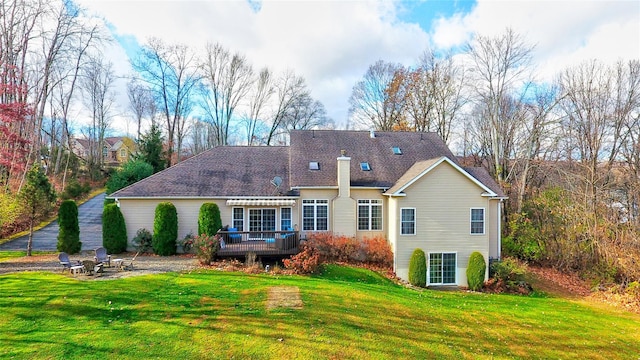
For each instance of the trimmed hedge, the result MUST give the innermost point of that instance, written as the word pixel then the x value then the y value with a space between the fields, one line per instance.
pixel 209 221
pixel 418 268
pixel 114 230
pixel 69 229
pixel 475 271
pixel 165 229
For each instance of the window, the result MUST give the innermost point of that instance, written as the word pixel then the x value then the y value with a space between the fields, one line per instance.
pixel 314 165
pixel 238 219
pixel 369 215
pixel 442 268
pixel 396 150
pixel 261 220
pixel 408 221
pixel 477 221
pixel 315 215
pixel 285 219
pixel 364 166
pixel 123 153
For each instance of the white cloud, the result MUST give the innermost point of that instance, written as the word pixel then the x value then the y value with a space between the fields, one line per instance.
pixel 330 43
pixel 563 32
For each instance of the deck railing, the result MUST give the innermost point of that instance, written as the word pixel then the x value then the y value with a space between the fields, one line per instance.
pixel 272 243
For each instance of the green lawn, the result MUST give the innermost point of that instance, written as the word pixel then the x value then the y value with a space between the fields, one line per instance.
pixel 347 314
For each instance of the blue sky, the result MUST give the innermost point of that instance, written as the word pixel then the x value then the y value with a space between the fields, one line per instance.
pixel 332 43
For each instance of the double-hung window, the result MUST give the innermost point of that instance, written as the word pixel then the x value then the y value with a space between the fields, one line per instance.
pixel 315 215
pixel 477 221
pixel 285 218
pixel 442 268
pixel 238 219
pixel 407 221
pixel 369 215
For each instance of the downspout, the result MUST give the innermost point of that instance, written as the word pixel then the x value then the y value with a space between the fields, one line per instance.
pixel 499 229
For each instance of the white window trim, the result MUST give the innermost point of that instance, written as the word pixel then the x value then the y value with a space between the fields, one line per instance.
pixel 370 205
pixel 290 217
pixel 429 267
pixel 233 218
pixel 415 221
pixel 315 204
pixel 484 220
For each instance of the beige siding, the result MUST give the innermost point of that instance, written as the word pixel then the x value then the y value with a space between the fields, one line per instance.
pixel 140 213
pixel 369 194
pixel 442 199
pixel 493 228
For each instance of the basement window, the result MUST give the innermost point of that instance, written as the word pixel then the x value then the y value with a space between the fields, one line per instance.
pixel 396 150
pixel 365 166
pixel 314 165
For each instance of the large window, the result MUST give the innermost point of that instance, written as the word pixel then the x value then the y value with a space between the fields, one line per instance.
pixel 477 221
pixel 315 215
pixel 238 219
pixel 442 268
pixel 262 220
pixel 408 221
pixel 285 219
pixel 369 215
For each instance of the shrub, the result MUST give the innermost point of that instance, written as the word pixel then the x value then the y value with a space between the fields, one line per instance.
pixel 73 190
pixel 130 173
pixel 507 270
pixel 475 271
pixel 418 268
pixel 324 248
pixel 209 221
pixel 69 229
pixel 142 241
pixel 114 230
pixel 187 243
pixel 206 247
pixel 165 229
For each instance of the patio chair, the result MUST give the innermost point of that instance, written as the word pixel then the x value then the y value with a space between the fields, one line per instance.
pixel 102 256
pixel 125 264
pixel 234 236
pixel 67 264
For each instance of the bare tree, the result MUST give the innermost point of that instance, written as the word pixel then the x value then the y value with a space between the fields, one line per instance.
pixel 97 83
pixel 227 79
pixel 289 88
pixel 373 99
pixel 139 100
pixel 498 66
pixel 258 100
pixel 171 73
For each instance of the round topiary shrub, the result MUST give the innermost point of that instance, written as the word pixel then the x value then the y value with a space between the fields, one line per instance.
pixel 114 230
pixel 69 229
pixel 475 271
pixel 165 229
pixel 209 221
pixel 418 268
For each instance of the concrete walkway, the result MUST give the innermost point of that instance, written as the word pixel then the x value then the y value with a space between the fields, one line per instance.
pixel 46 239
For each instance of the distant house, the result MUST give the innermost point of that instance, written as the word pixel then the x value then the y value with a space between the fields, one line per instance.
pixel 115 151
pixel 405 186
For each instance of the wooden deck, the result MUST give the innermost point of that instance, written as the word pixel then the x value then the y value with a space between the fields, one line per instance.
pixel 276 243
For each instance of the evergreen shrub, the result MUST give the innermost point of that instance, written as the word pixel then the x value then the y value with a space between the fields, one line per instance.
pixel 418 268
pixel 475 271
pixel 114 230
pixel 165 229
pixel 209 221
pixel 69 229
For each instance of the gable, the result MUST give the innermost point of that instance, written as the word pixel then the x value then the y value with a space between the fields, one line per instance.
pixel 423 168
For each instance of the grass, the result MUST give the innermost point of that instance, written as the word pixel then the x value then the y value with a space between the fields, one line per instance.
pixel 348 314
pixel 13 254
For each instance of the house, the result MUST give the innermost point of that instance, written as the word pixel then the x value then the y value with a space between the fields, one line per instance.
pixel 115 151
pixel 406 186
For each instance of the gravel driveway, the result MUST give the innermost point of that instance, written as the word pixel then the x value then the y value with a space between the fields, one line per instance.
pixel 144 264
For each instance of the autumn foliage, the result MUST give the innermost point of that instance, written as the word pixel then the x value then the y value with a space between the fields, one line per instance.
pixel 325 248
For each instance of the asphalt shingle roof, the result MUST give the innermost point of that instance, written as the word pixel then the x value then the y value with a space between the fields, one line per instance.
pixel 219 172
pixel 243 171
